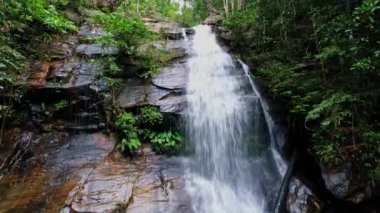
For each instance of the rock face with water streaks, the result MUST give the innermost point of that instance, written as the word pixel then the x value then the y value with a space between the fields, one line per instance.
pixel 55 168
pixel 59 175
pixel 147 183
pixel 73 76
pixel 42 179
pixel 165 90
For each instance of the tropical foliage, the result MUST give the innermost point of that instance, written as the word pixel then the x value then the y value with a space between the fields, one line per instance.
pixel 146 126
pixel 322 59
pixel 23 26
pixel 166 142
pixel 126 125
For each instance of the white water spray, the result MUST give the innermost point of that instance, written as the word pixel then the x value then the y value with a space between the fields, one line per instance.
pixel 226 127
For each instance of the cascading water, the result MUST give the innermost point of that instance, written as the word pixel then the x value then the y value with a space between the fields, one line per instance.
pixel 233 168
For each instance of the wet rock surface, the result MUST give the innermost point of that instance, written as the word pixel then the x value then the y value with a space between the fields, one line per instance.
pixel 301 199
pixel 139 93
pixel 214 19
pixel 147 183
pixel 72 77
pixel 170 30
pixel 90 31
pixel 65 164
pixel 337 180
pixel 172 78
pixel 79 173
pixel 91 50
pixel 42 181
pixel 57 171
pixel 165 90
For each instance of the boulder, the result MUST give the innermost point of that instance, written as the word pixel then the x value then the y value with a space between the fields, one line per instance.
pixel 214 20
pixel 338 179
pixel 133 94
pixel 301 199
pixel 175 54
pixel 166 90
pixel 138 93
pixel 170 30
pixel 189 31
pixel 172 78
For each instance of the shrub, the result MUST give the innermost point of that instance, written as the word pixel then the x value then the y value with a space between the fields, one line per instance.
pixel 167 142
pixel 125 32
pixel 126 125
pixel 61 105
pixel 113 68
pixel 150 116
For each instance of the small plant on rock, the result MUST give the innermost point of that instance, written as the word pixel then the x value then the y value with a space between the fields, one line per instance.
pixel 61 105
pixel 126 126
pixel 150 116
pixel 167 142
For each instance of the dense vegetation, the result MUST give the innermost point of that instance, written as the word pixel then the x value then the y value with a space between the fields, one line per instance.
pixel 321 58
pixel 24 26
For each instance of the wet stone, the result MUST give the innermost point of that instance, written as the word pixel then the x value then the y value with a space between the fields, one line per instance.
pixel 139 93
pixel 173 103
pixel 43 181
pixel 133 94
pixel 338 179
pixel 108 185
pixel 63 49
pixel 146 183
pixel 91 32
pixel 301 199
pixel 172 78
pixel 92 50
pixel 190 31
pixel 170 30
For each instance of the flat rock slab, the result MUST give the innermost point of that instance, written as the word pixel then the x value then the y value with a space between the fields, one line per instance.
pixel 60 162
pixel 136 93
pixel 146 183
pixel 166 90
pixel 172 78
pixel 67 74
pixel 91 31
pixel 91 50
pixel 170 30
pixel 107 187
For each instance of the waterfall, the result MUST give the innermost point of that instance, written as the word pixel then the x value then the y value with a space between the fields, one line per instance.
pixel 234 166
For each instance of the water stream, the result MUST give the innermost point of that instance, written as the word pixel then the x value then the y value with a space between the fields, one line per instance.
pixel 234 166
